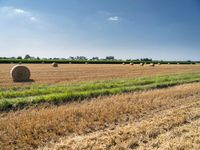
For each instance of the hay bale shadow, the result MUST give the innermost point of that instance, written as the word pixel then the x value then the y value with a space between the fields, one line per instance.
pixel 27 81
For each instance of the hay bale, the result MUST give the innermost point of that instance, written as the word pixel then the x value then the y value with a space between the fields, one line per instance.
pixel 20 73
pixel 123 64
pixel 152 65
pixel 131 64
pixel 141 64
pixel 54 64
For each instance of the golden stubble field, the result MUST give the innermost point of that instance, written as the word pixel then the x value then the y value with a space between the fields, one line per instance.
pixel 166 118
pixel 155 119
pixel 65 73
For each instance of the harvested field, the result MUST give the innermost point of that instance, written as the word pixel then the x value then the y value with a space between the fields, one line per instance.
pixel 65 73
pixel 93 111
pixel 137 120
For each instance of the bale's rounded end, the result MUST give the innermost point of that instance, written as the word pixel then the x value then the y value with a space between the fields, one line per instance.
pixel 54 64
pixel 20 73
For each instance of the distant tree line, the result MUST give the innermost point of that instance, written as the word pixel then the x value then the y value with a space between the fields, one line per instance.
pixel 28 57
pixel 80 59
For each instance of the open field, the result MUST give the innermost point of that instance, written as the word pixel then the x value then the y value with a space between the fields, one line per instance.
pixel 149 119
pixel 46 74
pixel 101 107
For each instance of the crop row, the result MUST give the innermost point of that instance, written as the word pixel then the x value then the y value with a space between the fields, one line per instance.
pixel 13 98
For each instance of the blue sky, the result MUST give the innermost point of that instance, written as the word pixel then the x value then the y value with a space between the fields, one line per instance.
pixel 158 29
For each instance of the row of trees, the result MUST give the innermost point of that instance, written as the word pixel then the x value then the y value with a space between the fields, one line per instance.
pixel 28 57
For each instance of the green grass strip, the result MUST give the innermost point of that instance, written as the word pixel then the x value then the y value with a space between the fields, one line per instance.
pixel 58 94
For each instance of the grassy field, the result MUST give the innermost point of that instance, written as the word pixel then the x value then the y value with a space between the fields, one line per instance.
pixel 114 107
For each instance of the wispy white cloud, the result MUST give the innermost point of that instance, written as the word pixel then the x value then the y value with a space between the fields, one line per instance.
pixel 19 11
pixel 113 18
pixel 33 19
pixel 11 12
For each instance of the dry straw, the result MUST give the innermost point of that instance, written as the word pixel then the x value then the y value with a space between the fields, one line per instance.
pixel 20 73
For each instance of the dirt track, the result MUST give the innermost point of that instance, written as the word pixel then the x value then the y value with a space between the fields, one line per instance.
pixel 46 74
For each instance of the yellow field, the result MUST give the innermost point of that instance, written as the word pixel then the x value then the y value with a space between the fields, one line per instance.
pixel 140 120
pixel 167 118
pixel 46 74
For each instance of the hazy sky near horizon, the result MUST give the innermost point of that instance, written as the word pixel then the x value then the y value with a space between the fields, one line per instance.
pixel 158 29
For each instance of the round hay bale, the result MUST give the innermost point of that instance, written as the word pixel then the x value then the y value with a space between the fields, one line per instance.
pixel 152 64
pixel 131 64
pixel 123 64
pixel 141 64
pixel 20 73
pixel 54 64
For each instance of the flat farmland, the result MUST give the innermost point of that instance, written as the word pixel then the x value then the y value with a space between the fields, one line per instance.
pixel 101 107
pixel 66 73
